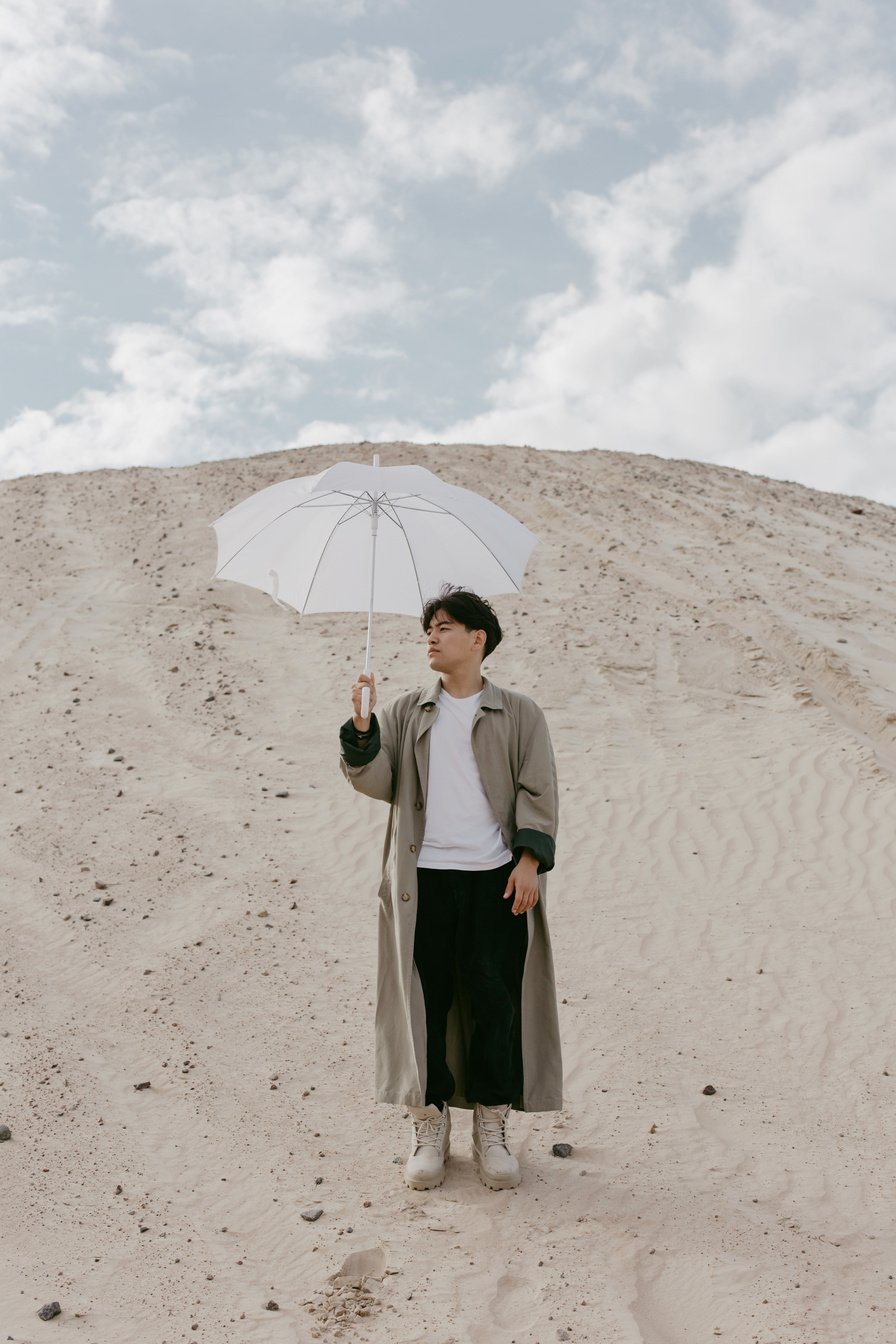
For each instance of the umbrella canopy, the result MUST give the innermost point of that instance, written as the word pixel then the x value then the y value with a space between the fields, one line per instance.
pixel 307 541
pixel 370 538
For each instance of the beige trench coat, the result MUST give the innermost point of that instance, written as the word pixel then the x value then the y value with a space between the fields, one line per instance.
pixel 513 751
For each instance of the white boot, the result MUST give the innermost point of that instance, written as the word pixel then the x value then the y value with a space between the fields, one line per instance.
pixel 430 1142
pixel 495 1164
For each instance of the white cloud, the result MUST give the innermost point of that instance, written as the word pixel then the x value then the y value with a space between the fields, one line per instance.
pixel 626 65
pixel 50 57
pixel 32 210
pixel 369 393
pixel 296 251
pixel 324 431
pixel 740 297
pixel 629 53
pixel 827 453
pixel 299 305
pixel 777 359
pixel 823 38
pixel 339 11
pixel 423 133
pixel 629 74
pixel 280 252
pixel 375 430
pixel 18 308
pixel 634 232
pixel 169 403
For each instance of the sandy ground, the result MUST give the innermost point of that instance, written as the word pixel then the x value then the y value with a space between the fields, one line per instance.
pixel 716 655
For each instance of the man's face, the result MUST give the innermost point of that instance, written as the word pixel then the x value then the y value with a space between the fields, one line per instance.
pixel 451 646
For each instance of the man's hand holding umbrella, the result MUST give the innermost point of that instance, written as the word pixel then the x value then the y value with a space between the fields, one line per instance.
pixel 362 725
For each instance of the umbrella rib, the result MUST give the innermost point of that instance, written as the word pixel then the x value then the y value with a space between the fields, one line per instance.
pixel 364 500
pixel 447 512
pixel 474 533
pixel 436 508
pixel 323 551
pixel 302 504
pixel 516 587
pixel 407 539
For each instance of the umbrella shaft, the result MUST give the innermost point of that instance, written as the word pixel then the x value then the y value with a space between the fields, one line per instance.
pixel 366 692
pixel 365 695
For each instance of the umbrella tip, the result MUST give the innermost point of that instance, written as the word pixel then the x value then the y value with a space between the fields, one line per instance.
pixel 376 459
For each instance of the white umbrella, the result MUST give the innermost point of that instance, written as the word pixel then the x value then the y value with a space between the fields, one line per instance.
pixel 356 538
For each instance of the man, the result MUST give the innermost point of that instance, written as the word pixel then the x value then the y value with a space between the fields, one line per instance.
pixel 466 1006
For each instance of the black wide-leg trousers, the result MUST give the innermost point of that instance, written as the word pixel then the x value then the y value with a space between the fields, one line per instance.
pixel 465 928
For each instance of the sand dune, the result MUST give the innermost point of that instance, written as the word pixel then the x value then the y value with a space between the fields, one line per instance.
pixel 716 654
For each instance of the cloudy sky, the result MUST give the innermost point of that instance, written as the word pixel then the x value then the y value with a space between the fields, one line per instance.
pixel 658 226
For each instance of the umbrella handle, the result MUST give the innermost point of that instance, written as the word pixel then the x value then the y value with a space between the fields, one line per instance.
pixel 365 702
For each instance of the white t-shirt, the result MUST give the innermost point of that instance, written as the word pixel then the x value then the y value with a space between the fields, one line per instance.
pixel 461 831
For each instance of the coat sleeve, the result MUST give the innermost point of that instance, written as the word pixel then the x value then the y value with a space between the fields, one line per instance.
pixel 370 769
pixel 537 798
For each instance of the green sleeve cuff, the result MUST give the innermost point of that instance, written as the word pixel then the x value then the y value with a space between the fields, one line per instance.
pixel 354 753
pixel 541 845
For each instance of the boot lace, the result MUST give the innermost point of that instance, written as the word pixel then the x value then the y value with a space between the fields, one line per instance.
pixel 428 1130
pixel 493 1126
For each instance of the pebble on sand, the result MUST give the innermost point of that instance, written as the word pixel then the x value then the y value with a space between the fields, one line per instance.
pixel 311 1215
pixel 272 1305
pixel 709 1090
pixel 562 1150
pixel 49 1310
pixel 5 1132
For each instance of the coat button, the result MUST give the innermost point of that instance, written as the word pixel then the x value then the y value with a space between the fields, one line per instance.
pixel 428 709
pixel 405 895
pixel 419 806
pixel 413 849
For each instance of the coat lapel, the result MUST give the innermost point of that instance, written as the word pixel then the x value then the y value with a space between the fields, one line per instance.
pixel 427 713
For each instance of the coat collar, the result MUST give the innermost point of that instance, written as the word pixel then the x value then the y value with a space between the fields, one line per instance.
pixel 491 695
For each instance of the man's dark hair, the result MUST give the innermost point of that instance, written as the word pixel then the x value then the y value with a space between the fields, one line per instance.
pixel 468 609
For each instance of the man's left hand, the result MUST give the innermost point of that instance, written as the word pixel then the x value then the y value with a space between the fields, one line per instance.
pixel 522 884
